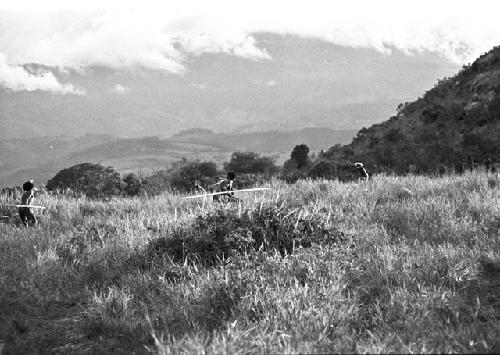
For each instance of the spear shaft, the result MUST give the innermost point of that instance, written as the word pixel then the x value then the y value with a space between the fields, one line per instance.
pixel 226 192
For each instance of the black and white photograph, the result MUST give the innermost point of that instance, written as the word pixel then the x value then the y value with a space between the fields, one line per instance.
pixel 249 177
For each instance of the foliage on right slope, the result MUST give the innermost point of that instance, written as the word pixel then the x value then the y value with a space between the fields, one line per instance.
pixel 455 124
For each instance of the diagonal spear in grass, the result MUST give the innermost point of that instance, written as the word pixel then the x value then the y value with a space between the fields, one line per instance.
pixel 226 192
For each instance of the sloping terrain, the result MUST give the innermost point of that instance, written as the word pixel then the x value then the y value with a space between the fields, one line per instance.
pixel 455 123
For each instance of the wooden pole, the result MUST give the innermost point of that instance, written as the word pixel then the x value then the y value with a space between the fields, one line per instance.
pixel 226 192
pixel 29 206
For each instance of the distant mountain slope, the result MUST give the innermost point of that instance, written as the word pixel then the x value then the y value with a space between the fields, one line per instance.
pixel 454 123
pixel 42 158
pixel 27 152
pixel 269 141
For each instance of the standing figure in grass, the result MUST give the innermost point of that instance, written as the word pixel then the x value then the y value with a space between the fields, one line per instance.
pixel 363 175
pixel 225 185
pixel 27 217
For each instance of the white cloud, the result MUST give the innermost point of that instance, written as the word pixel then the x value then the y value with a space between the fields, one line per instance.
pixel 16 78
pixel 238 44
pixel 271 83
pixel 163 35
pixel 120 89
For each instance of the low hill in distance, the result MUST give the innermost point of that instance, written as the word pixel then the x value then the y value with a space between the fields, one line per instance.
pixel 456 124
pixel 316 138
pixel 42 158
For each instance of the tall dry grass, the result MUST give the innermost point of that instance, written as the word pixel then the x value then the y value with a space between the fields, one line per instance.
pixel 400 264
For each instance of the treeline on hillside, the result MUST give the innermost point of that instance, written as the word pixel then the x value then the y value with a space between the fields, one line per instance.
pixel 428 153
pixel 447 138
pixel 454 126
pixel 95 180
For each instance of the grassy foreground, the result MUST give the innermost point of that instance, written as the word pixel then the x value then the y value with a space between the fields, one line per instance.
pixel 313 267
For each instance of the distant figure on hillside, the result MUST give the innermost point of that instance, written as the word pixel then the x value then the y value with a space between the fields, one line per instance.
pixel 363 175
pixel 27 217
pixel 225 185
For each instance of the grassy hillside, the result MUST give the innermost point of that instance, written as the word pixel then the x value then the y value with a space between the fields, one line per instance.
pixel 313 267
pixel 457 120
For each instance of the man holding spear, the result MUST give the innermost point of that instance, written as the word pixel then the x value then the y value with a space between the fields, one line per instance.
pixel 224 190
pixel 27 217
pixel 225 185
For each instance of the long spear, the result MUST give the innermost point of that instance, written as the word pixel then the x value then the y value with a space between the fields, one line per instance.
pixel 30 206
pixel 226 192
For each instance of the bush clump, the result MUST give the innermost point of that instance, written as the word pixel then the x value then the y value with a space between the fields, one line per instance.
pixel 93 180
pixel 219 234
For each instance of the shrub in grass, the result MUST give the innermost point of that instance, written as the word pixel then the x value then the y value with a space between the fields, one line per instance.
pixel 489 284
pixel 219 234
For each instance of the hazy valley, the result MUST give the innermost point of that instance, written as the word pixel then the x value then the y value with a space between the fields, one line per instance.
pixel 42 158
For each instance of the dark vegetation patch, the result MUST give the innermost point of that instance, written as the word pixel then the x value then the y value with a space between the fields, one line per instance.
pixel 488 289
pixel 218 235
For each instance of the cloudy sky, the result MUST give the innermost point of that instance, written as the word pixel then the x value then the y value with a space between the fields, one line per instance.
pixel 163 35
pixel 51 46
